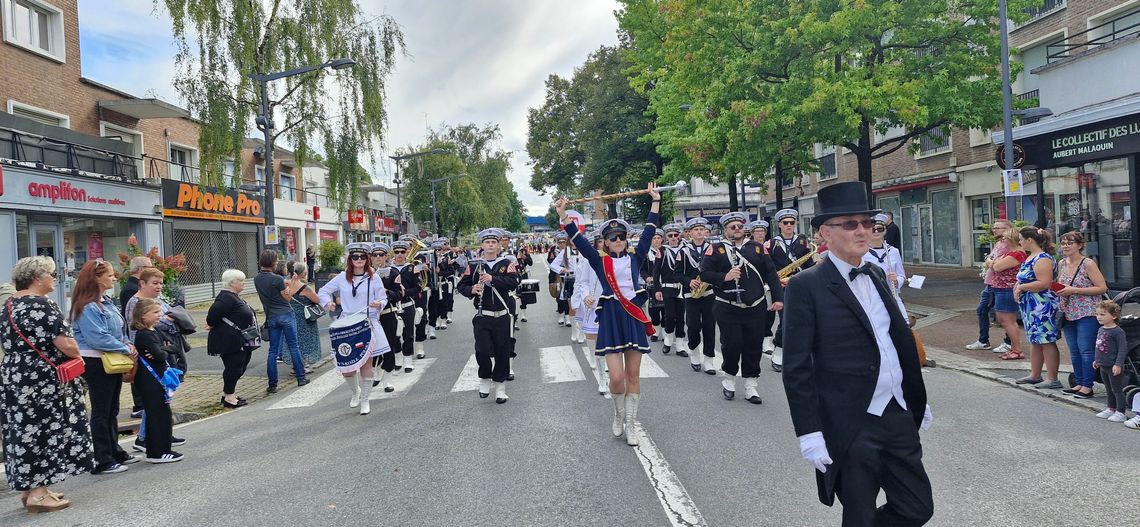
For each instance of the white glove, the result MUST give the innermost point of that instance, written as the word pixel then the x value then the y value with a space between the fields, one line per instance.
pixel 814 449
pixel 927 419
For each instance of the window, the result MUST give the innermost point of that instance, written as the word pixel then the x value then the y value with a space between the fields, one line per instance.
pixel 1046 7
pixel 932 143
pixel 183 163
pixel 34 26
pixel 229 174
pixel 1114 24
pixel 38 115
pixel 890 133
pixel 826 157
pixel 126 135
pixel 285 187
pixel 259 174
pixel 1034 56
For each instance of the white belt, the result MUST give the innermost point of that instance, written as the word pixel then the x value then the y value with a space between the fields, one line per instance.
pixel 406 304
pixel 493 314
pixel 740 304
pixel 672 285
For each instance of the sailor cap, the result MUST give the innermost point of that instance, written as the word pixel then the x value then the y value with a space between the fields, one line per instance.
pixel 733 216
pixel 672 227
pixel 696 222
pixel 787 213
pixel 880 218
pixel 614 225
pixel 489 234
pixel 381 246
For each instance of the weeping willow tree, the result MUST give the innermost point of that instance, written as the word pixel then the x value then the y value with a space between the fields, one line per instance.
pixel 221 42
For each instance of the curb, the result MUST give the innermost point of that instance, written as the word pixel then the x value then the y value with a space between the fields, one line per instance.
pixel 952 361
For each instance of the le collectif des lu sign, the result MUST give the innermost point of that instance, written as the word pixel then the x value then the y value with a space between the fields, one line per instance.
pixel 1080 143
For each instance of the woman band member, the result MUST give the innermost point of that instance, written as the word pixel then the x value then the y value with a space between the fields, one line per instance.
pixel 587 291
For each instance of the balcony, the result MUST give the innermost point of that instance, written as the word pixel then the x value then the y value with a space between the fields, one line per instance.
pixel 1047 8
pixel 26 141
pixel 1094 37
pixel 1034 98
pixel 1084 69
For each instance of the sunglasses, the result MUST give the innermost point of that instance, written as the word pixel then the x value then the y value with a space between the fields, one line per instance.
pixel 358 256
pixel 851 225
pixel 399 251
pixel 879 229
pixel 617 236
pixel 379 254
pixel 673 235
pixel 733 227
pixel 788 222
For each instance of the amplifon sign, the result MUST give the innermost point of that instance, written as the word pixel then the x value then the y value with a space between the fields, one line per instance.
pixel 187 200
pixel 50 192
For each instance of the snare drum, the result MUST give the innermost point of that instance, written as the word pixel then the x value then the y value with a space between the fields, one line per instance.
pixel 350 336
pixel 528 286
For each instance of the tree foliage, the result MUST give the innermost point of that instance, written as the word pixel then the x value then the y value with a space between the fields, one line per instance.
pixel 768 78
pixel 221 42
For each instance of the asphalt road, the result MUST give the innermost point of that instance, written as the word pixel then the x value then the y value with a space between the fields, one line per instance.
pixel 434 457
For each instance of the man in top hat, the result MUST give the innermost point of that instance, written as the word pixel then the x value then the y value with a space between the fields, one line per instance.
pixel 409 280
pixel 786 247
pixel 699 321
pixel 488 281
pixel 738 269
pixel 852 377
pixel 671 290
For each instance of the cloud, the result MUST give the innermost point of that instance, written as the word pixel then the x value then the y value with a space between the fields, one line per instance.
pixel 475 61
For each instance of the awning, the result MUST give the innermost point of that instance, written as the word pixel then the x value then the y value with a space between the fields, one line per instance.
pixel 912 185
pixel 1087 115
pixel 144 108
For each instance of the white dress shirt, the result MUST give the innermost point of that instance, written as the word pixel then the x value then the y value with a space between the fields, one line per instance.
pixel 889 383
pixel 624 275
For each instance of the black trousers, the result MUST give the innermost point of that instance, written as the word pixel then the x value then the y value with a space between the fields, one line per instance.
pixel 104 388
pixel 673 320
pixel 435 308
pixel 387 361
pixel 408 335
pixel 493 347
pixel 448 297
pixel 885 454
pixel 421 328
pixel 741 339
pixel 700 324
pixel 159 421
pixel 656 314
pixel 235 365
pixel 563 307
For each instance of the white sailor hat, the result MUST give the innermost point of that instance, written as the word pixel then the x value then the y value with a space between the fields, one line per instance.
pixel 489 234
pixel 406 237
pixel 786 213
pixel 400 244
pixel 696 222
pixel 437 244
pixel 615 225
pixel 595 234
pixel 381 246
pixel 760 224
pixel 560 236
pixel 725 219
pixel 880 218
pixel 672 227
pixel 358 247
pixel 503 233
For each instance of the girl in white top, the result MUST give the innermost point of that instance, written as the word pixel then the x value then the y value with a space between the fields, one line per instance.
pixel 359 288
pixel 587 290
pixel 888 258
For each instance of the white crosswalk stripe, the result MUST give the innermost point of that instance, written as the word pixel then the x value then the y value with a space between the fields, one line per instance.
pixel 469 379
pixel 560 365
pixel 403 382
pixel 329 382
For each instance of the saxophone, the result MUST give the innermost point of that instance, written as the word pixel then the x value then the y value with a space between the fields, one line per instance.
pixel 795 266
pixel 701 289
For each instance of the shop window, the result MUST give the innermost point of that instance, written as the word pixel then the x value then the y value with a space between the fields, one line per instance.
pixel 1096 199
pixel 35 26
pixel 947 249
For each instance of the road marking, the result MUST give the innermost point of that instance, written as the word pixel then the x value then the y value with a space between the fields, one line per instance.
pixel 588 353
pixel 560 365
pixel 309 395
pixel 649 368
pixel 678 505
pixel 469 379
pixel 591 360
pixel 403 382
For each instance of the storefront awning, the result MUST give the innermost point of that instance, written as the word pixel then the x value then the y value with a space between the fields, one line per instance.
pixel 1080 117
pixel 912 185
pixel 144 108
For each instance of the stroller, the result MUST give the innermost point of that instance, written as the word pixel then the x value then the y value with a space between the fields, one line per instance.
pixel 1129 302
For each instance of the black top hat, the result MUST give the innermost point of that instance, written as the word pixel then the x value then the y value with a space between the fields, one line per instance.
pixel 842 199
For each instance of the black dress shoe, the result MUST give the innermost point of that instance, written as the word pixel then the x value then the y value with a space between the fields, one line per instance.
pixel 755 399
pixel 389 389
pixel 511 377
pixel 500 400
pixel 666 349
pixel 484 395
pixel 654 338
pixel 271 389
pixel 710 372
pixel 696 367
pixel 728 394
pixel 682 353
pixel 777 367
pixel 240 403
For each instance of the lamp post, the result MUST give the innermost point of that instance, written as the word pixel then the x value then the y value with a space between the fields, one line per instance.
pixel 434 212
pixel 397 159
pixel 1006 105
pixel 265 124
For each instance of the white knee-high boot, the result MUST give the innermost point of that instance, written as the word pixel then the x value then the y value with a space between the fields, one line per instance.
pixel 354 385
pixel 631 402
pixel 365 391
pixel 619 414
pixel 603 377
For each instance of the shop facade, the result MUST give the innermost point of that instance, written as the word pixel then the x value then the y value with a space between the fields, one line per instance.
pixel 73 219
pixel 215 229
pixel 927 210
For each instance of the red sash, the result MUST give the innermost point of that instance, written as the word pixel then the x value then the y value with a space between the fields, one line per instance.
pixel 632 310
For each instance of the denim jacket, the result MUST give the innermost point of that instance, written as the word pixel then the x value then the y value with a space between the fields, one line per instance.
pixel 100 328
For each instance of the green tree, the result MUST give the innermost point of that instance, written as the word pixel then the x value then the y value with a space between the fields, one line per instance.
pixel 771 77
pixel 221 42
pixel 551 142
pixel 516 216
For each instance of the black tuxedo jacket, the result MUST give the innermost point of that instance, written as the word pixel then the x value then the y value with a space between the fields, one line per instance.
pixel 831 361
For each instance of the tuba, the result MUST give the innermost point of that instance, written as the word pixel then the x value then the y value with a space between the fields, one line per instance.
pixel 415 246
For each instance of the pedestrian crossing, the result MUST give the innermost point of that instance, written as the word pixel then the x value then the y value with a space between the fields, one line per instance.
pixel 330 381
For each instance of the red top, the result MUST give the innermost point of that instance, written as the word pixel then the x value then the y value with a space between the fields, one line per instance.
pixel 1007 278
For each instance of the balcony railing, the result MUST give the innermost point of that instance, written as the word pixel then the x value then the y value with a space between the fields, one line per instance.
pixel 57 153
pixel 1047 7
pixel 1110 31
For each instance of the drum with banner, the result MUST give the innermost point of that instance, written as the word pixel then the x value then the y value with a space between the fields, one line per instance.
pixel 354 338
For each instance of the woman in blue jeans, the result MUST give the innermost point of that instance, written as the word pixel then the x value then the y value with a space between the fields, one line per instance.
pixel 1001 275
pixel 1083 286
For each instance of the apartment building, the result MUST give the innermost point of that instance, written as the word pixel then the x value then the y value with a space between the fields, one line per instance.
pixel 80 162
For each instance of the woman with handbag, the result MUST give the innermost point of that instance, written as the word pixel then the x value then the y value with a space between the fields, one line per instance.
pixel 233 334
pixel 39 384
pixel 152 392
pixel 107 355
pixel 1082 286
pixel 307 311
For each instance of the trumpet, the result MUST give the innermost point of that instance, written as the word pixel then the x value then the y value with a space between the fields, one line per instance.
pixel 680 185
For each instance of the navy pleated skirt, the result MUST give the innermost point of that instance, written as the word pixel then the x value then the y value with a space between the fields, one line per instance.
pixel 617 331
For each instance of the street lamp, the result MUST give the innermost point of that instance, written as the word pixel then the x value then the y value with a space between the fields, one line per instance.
pixel 434 213
pixel 265 124
pixel 397 159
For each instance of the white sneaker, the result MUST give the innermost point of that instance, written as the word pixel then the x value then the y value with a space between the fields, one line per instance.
pixel 1003 348
pixel 1105 414
pixel 1117 417
pixel 1133 423
pixel 978 345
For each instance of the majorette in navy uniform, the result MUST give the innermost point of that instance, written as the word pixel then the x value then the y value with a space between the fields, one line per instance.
pixel 672 291
pixel 786 247
pixel 388 317
pixel 738 269
pixel 699 321
pixel 359 289
pixel 406 276
pixel 488 281
pixel 623 328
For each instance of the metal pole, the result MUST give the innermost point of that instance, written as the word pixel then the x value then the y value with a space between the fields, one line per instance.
pixel 1007 106
pixel 434 214
pixel 269 190
pixel 399 213
pixel 779 185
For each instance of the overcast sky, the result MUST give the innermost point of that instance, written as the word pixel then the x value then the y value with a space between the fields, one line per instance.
pixel 477 61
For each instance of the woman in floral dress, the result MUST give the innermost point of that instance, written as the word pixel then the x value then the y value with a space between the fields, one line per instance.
pixel 46 436
pixel 1039 307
